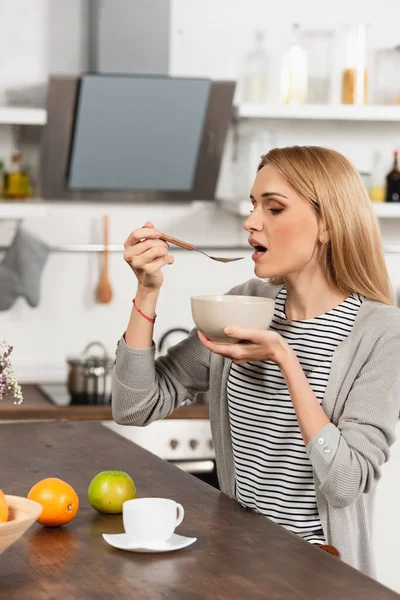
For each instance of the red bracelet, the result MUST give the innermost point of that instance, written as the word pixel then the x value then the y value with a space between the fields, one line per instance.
pixel 142 313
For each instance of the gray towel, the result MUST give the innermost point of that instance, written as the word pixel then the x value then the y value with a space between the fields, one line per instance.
pixel 21 269
pixel 10 288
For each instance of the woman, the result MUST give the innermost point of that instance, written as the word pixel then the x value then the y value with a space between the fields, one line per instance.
pixel 302 414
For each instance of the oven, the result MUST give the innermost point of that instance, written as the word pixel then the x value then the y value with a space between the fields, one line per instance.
pixel 187 443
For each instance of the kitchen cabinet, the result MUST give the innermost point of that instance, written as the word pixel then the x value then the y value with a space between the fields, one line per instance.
pixel 387 520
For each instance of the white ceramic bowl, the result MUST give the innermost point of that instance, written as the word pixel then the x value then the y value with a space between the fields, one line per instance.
pixel 212 314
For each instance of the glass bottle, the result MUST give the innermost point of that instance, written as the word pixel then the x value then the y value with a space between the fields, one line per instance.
pixel 355 73
pixel 254 79
pixel 294 76
pixel 378 191
pixel 393 182
pixel 319 48
pixel 1 176
pixel 386 82
pixel 16 180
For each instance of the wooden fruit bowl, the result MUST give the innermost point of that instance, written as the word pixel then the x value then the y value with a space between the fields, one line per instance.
pixel 22 514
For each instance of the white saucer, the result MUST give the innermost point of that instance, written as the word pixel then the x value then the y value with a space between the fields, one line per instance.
pixel 123 542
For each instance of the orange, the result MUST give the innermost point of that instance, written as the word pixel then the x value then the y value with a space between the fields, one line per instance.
pixel 3 508
pixel 59 500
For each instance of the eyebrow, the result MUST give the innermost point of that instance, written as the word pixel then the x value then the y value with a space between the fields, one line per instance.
pixel 268 194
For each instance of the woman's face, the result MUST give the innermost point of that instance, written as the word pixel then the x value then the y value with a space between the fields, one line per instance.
pixel 283 227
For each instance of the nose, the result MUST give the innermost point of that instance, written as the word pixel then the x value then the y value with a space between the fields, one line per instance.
pixel 253 222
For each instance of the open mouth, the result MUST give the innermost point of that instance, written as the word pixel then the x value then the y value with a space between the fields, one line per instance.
pixel 259 249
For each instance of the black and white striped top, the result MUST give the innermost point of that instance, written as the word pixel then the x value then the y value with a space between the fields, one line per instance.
pixel 273 472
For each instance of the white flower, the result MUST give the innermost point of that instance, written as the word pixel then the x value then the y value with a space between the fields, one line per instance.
pixel 8 379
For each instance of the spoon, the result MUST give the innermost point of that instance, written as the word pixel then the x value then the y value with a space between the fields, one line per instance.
pixel 104 290
pixel 187 246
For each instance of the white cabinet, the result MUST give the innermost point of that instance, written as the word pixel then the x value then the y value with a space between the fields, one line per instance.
pixel 387 520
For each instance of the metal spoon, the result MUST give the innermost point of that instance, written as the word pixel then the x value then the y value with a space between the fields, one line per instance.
pixel 187 246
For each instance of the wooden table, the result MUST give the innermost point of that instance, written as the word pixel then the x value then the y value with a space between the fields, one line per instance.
pixel 36 407
pixel 238 555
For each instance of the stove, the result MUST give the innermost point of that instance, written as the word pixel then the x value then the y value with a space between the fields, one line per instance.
pixel 58 394
pixel 187 443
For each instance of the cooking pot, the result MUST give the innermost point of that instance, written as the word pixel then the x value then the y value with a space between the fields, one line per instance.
pixel 90 376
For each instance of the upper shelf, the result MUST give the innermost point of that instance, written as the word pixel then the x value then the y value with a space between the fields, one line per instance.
pixel 382 210
pixel 387 210
pixel 15 115
pixel 322 112
pixel 10 115
pixel 21 210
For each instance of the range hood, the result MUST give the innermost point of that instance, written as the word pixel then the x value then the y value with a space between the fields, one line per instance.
pixel 127 130
pixel 134 137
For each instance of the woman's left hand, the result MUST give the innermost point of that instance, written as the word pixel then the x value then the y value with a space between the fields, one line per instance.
pixel 254 345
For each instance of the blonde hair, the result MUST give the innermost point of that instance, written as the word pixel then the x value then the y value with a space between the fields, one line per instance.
pixel 353 258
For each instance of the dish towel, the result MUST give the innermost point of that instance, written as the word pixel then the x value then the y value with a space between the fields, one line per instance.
pixel 21 269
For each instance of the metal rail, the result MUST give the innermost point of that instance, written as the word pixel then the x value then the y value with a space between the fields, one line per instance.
pixel 389 249
pixel 120 248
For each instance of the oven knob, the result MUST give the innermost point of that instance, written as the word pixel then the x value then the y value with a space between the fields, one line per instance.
pixel 193 444
pixel 173 444
pixel 210 444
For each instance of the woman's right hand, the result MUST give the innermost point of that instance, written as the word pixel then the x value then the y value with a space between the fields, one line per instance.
pixel 146 254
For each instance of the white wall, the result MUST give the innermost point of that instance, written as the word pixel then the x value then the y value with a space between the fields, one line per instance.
pixel 208 38
pixel 68 318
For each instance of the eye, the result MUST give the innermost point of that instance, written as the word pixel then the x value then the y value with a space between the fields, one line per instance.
pixel 275 211
pixel 252 210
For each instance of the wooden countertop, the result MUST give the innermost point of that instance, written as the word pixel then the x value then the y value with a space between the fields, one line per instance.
pixel 239 555
pixel 37 407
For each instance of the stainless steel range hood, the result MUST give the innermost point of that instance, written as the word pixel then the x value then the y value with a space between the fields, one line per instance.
pixel 127 131
pixel 134 138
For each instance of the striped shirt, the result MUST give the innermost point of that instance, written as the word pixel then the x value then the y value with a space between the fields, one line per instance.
pixel 273 472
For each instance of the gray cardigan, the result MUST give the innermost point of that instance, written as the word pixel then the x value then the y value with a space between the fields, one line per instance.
pixel 362 401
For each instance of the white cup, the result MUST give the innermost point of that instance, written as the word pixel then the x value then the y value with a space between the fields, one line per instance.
pixel 151 519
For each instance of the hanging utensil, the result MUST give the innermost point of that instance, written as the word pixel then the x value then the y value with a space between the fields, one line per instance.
pixel 104 290
pixel 188 246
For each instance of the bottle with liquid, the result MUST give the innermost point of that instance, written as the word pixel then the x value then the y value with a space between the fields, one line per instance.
pixel 254 78
pixel 377 192
pixel 16 180
pixel 355 74
pixel 393 182
pixel 1 173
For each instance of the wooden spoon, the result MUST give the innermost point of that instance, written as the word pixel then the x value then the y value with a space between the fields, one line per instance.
pixel 104 290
